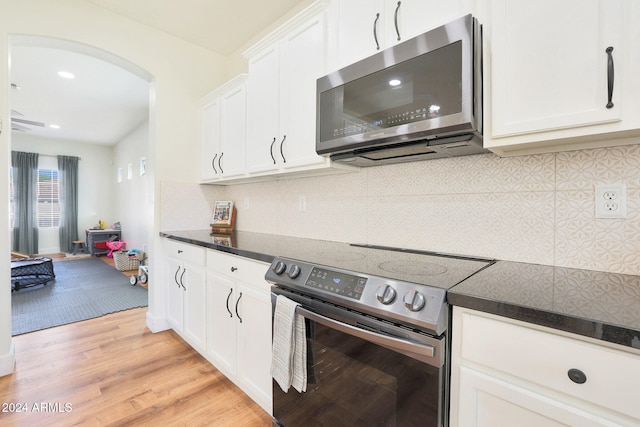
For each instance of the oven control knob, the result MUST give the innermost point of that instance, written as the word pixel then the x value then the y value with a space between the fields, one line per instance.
pixel 279 267
pixel 293 271
pixel 386 294
pixel 414 300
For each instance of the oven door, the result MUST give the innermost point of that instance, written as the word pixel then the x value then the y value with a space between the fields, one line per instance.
pixel 363 372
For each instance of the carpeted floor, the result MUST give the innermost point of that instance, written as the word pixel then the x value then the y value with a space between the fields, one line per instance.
pixel 83 289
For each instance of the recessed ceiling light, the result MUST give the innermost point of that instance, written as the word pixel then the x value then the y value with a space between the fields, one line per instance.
pixel 66 75
pixel 394 82
pixel 54 126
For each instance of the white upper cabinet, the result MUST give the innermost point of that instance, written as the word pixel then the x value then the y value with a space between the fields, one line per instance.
pixel 550 82
pixel 233 130
pixel 415 17
pixel 210 140
pixel 283 70
pixel 223 133
pixel 263 110
pixel 366 27
pixel 303 61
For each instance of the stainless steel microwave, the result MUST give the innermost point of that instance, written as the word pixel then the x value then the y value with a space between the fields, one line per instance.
pixel 418 100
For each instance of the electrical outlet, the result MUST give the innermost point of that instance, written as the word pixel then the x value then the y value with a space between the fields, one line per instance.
pixel 611 200
pixel 302 203
pixel 246 203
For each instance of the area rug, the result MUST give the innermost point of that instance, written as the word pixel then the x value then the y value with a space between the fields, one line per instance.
pixel 83 289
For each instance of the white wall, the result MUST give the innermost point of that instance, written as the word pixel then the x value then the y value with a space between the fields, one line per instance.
pixel 188 206
pixel 134 198
pixel 95 181
pixel 180 74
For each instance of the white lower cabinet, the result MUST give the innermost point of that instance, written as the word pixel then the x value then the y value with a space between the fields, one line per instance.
pixel 510 373
pixel 490 402
pixel 186 286
pixel 221 305
pixel 239 323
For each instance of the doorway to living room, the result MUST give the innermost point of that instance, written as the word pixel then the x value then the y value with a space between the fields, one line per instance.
pixel 101 117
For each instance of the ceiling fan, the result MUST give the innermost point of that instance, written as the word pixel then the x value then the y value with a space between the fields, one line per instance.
pixel 18 124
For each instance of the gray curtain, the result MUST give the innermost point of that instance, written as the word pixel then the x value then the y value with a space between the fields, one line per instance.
pixel 25 183
pixel 68 196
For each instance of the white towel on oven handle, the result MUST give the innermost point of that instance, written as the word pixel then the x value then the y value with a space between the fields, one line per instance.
pixel 289 353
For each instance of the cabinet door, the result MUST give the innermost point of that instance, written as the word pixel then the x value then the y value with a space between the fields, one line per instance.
pixel 175 294
pixel 195 305
pixel 210 134
pixel 263 91
pixel 549 66
pixel 254 344
pixel 414 17
pixel 356 22
pixel 485 401
pixel 221 323
pixel 303 62
pixel 233 132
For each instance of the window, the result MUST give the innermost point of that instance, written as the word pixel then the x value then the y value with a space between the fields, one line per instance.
pixel 48 208
pixel 48 205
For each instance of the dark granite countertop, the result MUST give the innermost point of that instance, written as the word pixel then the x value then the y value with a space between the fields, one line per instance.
pixel 257 246
pixel 604 306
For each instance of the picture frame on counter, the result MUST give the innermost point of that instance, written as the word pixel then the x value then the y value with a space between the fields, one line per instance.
pixel 224 216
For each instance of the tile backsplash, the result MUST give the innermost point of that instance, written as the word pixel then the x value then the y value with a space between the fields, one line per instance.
pixel 536 209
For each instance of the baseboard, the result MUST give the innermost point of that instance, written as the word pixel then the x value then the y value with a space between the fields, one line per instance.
pixel 8 361
pixel 157 324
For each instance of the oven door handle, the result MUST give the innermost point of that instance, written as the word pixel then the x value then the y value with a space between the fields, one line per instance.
pixel 423 352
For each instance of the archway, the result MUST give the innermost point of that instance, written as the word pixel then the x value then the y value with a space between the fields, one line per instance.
pixel 122 157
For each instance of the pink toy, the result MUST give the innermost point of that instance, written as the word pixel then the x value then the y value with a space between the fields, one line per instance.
pixel 115 246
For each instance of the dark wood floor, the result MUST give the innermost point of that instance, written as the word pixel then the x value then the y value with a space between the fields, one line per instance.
pixel 113 371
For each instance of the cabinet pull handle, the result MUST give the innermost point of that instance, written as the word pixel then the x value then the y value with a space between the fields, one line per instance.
pixel 271 150
pixel 233 269
pixel 395 20
pixel 610 75
pixel 577 376
pixel 375 31
pixel 229 296
pixel 213 164
pixel 220 162
pixel 184 270
pixel 175 276
pixel 281 152
pixel 237 302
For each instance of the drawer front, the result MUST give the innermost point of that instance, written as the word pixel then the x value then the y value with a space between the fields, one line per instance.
pixel 185 252
pixel 546 359
pixel 248 271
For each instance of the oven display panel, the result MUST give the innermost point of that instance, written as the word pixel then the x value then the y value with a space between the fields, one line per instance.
pixel 346 285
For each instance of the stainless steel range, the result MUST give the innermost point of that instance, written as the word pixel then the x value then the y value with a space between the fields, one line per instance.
pixel 376 323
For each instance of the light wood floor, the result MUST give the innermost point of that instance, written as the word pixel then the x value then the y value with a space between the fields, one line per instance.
pixel 113 371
